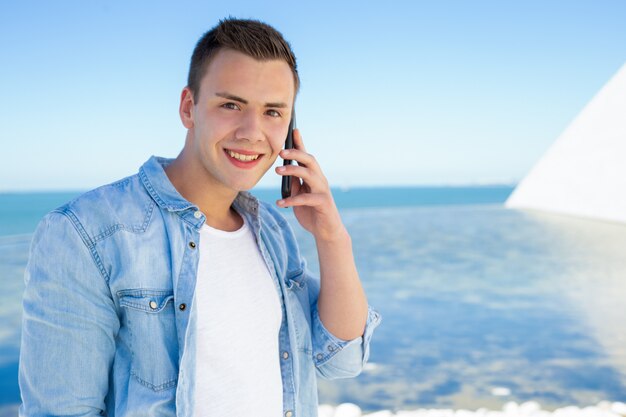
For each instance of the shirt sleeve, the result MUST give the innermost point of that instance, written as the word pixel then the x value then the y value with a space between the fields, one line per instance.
pixel 336 358
pixel 333 358
pixel 69 323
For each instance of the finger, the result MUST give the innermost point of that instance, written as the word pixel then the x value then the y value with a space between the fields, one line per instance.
pixel 297 140
pixel 304 199
pixel 300 156
pixel 313 179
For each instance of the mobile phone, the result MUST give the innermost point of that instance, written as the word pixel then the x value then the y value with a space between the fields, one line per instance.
pixel 285 188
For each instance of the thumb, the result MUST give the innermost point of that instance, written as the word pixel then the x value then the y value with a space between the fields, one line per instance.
pixel 295 186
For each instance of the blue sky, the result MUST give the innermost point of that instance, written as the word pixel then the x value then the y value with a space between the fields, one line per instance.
pixel 401 93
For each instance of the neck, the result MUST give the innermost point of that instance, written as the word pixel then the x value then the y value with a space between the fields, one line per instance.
pixel 197 187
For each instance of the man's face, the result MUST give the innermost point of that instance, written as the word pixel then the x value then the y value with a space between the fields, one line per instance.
pixel 240 121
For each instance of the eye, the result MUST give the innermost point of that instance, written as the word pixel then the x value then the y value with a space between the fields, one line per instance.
pixel 231 106
pixel 273 113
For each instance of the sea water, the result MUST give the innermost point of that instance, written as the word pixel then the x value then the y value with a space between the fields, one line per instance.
pixel 481 305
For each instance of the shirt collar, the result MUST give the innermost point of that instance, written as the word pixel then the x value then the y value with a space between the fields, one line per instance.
pixel 155 180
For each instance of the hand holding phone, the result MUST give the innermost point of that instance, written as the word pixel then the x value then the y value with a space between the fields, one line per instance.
pixel 285 189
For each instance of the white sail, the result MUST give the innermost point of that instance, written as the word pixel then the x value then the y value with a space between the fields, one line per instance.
pixel 584 171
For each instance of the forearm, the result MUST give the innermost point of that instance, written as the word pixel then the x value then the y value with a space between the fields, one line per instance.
pixel 342 304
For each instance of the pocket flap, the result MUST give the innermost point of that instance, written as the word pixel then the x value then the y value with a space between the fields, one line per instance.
pixel 147 300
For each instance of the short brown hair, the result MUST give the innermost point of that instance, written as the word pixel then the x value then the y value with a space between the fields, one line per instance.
pixel 251 37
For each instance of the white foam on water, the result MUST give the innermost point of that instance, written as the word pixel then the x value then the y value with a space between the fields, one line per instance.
pixel 510 409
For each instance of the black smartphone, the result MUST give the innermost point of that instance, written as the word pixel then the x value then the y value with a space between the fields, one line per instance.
pixel 285 189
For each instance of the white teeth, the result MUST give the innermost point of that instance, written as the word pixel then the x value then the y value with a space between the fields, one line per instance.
pixel 240 157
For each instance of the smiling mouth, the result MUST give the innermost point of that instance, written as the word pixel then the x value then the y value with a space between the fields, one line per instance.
pixel 242 157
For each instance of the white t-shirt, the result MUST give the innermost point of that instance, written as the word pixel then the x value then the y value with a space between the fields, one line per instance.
pixel 238 323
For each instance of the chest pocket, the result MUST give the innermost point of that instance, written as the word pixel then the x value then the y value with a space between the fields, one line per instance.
pixel 150 318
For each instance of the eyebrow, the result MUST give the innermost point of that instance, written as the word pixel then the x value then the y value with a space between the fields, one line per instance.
pixel 244 101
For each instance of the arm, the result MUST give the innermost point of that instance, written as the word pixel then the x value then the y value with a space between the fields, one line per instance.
pixel 342 320
pixel 69 323
pixel 342 304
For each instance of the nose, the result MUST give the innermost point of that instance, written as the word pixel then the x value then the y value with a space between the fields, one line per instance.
pixel 250 127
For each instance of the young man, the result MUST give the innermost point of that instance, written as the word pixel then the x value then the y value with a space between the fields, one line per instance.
pixel 174 291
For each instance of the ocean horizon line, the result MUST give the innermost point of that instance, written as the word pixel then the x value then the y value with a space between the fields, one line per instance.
pixel 334 187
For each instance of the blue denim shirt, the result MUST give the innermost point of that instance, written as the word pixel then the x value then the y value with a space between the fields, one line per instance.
pixel 109 318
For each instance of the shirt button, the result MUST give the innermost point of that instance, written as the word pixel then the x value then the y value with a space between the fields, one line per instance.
pixel 285 355
pixel 330 348
pixel 197 214
pixel 192 245
pixel 153 305
pixel 320 356
pixel 182 307
pixel 288 413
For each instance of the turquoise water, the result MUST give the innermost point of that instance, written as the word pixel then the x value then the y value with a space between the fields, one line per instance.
pixel 473 296
pixel 20 212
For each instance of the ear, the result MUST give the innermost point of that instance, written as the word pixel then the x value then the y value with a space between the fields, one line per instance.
pixel 186 108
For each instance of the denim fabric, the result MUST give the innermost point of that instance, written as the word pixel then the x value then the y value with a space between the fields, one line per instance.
pixel 109 318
